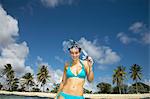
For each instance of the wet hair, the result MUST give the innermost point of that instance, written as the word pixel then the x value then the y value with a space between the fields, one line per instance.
pixel 75 45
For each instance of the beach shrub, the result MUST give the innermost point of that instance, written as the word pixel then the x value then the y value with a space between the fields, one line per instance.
pixel 87 91
pixel 142 88
pixel 104 87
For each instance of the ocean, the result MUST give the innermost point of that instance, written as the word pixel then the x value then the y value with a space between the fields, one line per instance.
pixel 21 97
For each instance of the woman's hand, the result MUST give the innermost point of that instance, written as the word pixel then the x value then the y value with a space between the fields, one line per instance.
pixel 90 73
pixel 90 61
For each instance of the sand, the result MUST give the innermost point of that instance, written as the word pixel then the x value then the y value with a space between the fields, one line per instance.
pixel 91 96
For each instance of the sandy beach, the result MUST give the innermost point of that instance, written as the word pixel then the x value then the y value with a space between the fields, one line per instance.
pixel 91 96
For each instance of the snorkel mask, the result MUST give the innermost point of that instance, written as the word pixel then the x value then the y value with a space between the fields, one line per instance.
pixel 71 43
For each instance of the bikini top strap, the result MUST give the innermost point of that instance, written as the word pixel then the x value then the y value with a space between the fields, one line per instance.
pixel 70 64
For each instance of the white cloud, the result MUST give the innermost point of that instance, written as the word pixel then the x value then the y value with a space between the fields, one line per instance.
pixel 110 56
pixel 137 27
pixel 94 51
pixel 15 50
pixel 15 54
pixel 140 32
pixel 56 75
pixel 55 3
pixel 10 51
pixel 101 54
pixel 124 38
pixel 28 69
pixel 8 28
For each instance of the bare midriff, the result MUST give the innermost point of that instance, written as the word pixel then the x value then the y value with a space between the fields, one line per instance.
pixel 74 86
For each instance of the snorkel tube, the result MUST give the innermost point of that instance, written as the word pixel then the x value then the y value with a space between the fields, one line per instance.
pixel 71 43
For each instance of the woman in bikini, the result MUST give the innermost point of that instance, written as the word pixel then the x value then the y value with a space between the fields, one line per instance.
pixel 75 72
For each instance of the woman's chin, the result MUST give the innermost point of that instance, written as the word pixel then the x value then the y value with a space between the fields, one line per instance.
pixel 75 59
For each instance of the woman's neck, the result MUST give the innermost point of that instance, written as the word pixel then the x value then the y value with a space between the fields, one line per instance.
pixel 75 61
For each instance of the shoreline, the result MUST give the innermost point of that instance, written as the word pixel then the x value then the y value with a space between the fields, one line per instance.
pixel 91 96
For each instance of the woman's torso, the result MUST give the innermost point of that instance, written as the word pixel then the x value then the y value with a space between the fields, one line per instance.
pixel 75 80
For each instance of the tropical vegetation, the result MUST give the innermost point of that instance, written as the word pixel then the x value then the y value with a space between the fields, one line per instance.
pixel 119 76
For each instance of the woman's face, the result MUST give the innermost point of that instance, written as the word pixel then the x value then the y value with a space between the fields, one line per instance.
pixel 75 54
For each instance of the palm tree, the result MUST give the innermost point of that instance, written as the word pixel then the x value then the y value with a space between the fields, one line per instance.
pixel 118 77
pixel 7 70
pixel 10 76
pixel 28 80
pixel 136 73
pixel 55 90
pixel 42 75
pixel 10 79
pixel 14 84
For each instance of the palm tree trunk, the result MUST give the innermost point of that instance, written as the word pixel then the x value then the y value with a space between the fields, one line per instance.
pixel 43 88
pixel 28 88
pixel 9 86
pixel 136 87
pixel 40 86
pixel 123 88
pixel 119 90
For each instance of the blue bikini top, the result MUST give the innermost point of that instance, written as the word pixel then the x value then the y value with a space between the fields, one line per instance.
pixel 82 73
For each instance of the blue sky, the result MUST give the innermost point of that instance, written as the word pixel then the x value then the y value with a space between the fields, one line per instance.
pixel 113 32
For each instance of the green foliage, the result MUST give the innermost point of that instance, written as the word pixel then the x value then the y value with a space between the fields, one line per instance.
pixel 42 75
pixel 55 88
pixel 14 85
pixel 12 82
pixel 136 74
pixel 86 91
pixel 123 88
pixel 28 80
pixel 22 88
pixel 104 87
pixel 142 88
pixel 36 90
pixel 119 76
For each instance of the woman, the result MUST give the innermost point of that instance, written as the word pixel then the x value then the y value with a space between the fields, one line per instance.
pixel 71 86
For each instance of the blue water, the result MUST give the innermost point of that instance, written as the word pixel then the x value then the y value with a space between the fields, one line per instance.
pixel 21 97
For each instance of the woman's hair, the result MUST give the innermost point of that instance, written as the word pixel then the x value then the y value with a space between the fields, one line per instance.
pixel 75 45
